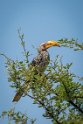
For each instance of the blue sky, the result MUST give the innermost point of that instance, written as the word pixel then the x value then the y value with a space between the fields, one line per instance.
pixel 40 20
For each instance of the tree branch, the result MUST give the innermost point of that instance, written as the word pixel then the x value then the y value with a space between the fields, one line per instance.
pixel 76 106
pixel 44 106
pixel 70 101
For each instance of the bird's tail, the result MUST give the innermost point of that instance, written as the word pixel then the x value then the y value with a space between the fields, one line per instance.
pixel 17 96
pixel 20 92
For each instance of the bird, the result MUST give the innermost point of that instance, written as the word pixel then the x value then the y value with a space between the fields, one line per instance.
pixel 38 65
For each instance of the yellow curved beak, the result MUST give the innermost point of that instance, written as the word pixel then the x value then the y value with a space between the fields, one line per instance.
pixel 51 43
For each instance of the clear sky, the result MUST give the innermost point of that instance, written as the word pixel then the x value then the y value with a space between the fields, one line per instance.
pixel 40 20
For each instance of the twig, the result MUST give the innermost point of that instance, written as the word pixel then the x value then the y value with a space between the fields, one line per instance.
pixel 26 53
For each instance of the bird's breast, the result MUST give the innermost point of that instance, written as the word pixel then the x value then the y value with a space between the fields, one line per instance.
pixel 40 62
pixel 44 62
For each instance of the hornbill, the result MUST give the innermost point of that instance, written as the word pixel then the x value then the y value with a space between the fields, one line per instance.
pixel 38 65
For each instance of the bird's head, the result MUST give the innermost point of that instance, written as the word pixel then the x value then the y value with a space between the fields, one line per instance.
pixel 48 44
pixel 51 43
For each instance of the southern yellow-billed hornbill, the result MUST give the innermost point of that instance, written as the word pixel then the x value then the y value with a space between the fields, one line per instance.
pixel 38 65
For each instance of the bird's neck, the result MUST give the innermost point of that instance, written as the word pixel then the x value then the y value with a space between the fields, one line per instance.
pixel 42 52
